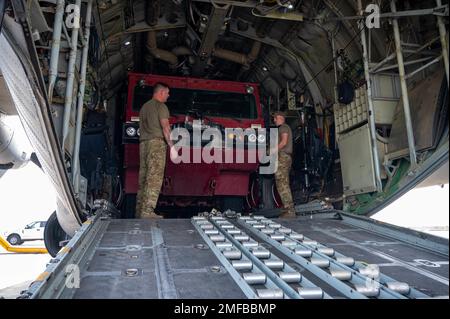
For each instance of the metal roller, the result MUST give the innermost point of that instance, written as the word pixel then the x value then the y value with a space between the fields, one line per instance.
pixel 274 264
pixel 215 238
pixel 217 218
pixel 232 254
pixel 245 217
pixel 251 222
pixel 310 292
pixel 296 236
pixel 261 253
pixel 348 261
pixel 340 274
pixel 288 243
pixel 222 222
pixel 196 218
pixel 285 230
pixel 233 231
pixel 266 221
pixel 259 217
pixel 250 244
pixel 242 264
pixel 310 242
pixel 203 222
pixel 207 226
pixel 255 278
pixel 211 232
pixel 371 272
pixel 368 290
pixel 326 251
pixel 259 226
pixel 275 225
pixel 303 252
pixel 400 287
pixel 224 245
pixel 267 231
pixel 242 237
pixel 270 293
pixel 227 226
pixel 320 262
pixel 290 277
pixel 277 237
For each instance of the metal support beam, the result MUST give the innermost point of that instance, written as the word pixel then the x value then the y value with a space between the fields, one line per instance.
pixel 69 82
pixel 440 11
pixel 411 53
pixel 371 111
pixel 423 67
pixel 395 66
pixel 56 41
pixel 215 23
pixel 404 88
pixel 443 36
pixel 335 66
pixel 82 85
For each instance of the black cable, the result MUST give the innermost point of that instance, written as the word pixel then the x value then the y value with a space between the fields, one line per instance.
pixel 333 59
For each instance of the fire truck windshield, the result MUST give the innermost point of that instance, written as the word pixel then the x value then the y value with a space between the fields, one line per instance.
pixel 210 103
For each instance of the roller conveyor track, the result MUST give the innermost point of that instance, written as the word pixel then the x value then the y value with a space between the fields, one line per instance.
pixel 253 266
pixel 351 278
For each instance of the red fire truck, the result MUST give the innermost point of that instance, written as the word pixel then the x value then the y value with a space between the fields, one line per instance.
pixel 219 104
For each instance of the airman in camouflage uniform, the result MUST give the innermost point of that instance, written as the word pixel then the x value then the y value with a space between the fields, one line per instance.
pixel 284 149
pixel 154 138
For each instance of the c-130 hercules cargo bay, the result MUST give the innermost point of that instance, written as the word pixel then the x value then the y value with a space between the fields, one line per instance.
pixel 363 86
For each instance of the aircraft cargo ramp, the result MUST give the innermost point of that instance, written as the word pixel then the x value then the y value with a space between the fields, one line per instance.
pixel 322 256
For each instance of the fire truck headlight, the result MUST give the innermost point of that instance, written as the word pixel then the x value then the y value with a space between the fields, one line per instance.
pixel 138 132
pixel 131 131
pixel 250 89
pixel 261 138
pixel 252 138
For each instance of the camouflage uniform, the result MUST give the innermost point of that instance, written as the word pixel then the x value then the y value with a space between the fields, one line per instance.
pixel 282 173
pixel 282 181
pixel 152 156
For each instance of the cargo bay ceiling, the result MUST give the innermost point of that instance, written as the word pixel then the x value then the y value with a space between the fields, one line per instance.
pixel 273 42
pixel 270 42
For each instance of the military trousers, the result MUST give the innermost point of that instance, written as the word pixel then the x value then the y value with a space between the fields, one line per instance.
pixel 152 162
pixel 282 180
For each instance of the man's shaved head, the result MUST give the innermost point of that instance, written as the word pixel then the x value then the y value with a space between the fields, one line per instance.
pixel 161 92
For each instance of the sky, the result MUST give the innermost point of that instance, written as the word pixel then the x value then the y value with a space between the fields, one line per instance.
pixel 419 209
pixel 26 195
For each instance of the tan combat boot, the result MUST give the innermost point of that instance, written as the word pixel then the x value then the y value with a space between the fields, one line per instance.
pixel 288 213
pixel 150 214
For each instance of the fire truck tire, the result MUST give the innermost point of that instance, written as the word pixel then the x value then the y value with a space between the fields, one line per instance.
pixel 129 206
pixel 267 199
pixel 235 203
